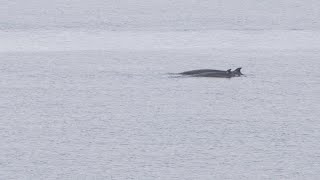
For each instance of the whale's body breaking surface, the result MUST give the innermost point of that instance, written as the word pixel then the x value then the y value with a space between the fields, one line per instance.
pixel 213 73
pixel 198 71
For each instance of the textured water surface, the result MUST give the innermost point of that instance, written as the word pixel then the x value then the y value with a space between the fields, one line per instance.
pixel 86 91
pixel 119 115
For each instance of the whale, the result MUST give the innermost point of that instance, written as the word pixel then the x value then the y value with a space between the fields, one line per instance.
pixel 212 72
pixel 224 74
pixel 199 71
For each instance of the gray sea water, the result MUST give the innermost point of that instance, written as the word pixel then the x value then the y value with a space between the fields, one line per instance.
pixel 120 115
pixel 86 90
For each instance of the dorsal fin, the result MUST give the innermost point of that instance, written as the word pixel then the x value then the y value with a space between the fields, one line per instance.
pixel 238 71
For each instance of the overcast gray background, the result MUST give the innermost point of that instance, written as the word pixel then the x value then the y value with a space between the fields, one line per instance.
pixel 158 15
